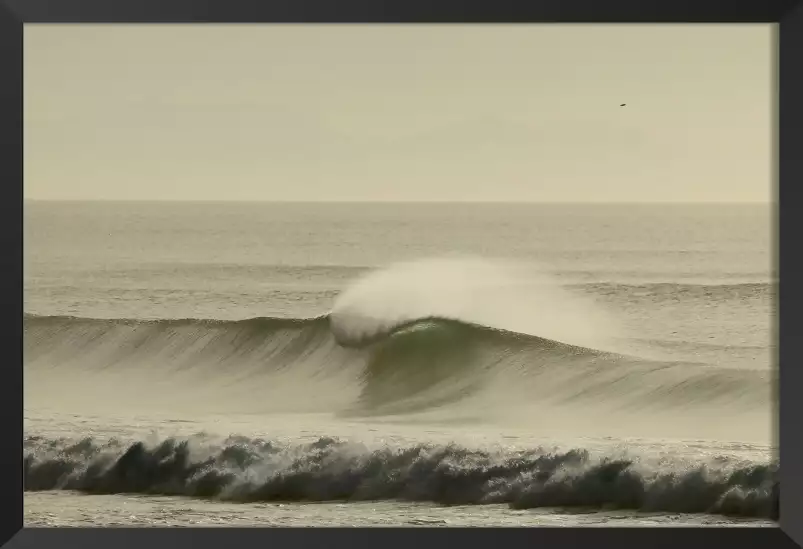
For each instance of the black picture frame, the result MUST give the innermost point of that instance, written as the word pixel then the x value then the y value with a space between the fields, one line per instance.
pixel 787 13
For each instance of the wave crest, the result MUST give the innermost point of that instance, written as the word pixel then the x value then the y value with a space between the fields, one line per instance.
pixel 494 294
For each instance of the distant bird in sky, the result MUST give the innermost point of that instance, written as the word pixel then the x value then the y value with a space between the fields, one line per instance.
pixel 623 104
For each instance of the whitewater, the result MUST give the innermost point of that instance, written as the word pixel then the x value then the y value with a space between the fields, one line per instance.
pixel 220 377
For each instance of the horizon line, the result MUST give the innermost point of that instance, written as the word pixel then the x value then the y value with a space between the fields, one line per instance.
pixel 373 201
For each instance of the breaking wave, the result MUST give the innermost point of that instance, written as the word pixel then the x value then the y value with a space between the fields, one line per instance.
pixel 461 338
pixel 240 469
pixel 417 364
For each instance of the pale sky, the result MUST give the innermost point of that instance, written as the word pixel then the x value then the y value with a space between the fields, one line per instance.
pixel 400 112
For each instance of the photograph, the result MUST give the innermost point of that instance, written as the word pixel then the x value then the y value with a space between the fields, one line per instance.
pixel 415 275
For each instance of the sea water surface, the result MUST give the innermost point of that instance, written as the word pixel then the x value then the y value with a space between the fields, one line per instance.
pixel 398 364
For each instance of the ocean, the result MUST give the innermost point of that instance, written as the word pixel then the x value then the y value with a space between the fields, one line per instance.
pixel 367 364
